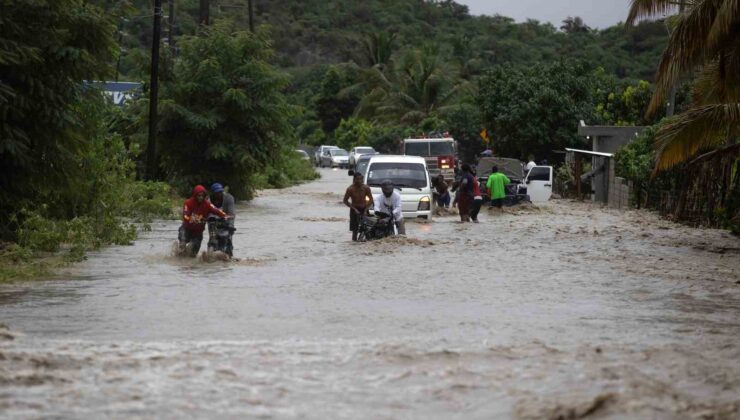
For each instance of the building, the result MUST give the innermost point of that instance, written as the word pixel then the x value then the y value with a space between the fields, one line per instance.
pixel 606 187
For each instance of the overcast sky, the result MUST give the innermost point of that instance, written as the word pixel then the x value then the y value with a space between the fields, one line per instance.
pixel 595 13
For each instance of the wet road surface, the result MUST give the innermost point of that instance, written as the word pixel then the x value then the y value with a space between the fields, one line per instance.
pixel 563 311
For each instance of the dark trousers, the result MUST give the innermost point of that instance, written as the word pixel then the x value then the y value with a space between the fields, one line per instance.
pixel 475 208
pixel 464 202
pixel 186 236
pixel 443 200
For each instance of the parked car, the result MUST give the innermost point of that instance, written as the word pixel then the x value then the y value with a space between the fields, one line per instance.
pixel 361 165
pixel 320 152
pixel 410 177
pixel 303 154
pixel 335 158
pixel 356 152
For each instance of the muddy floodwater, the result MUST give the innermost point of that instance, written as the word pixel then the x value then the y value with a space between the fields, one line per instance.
pixel 562 311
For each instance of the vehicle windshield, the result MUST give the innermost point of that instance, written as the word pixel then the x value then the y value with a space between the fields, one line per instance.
pixel 417 149
pixel 363 150
pixel 361 165
pixel 338 152
pixel 403 175
pixel 441 148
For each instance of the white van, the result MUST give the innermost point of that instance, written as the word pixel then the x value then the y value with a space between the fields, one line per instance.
pixel 410 177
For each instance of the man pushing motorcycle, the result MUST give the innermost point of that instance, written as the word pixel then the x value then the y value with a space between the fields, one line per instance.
pixel 389 202
pixel 195 213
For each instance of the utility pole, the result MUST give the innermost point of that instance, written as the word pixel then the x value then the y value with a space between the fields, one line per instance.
pixel 205 9
pixel 251 16
pixel 151 153
pixel 171 26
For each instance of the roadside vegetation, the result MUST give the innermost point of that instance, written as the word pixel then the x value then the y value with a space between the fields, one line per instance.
pixel 688 165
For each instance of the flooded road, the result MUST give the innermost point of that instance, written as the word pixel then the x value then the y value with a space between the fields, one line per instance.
pixel 565 311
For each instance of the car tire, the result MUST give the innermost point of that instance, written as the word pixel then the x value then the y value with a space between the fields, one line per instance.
pixel 426 217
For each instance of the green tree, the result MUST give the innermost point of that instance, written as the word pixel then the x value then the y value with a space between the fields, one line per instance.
pixel 353 132
pixel 47 50
pixel 536 110
pixel 224 117
pixel 331 107
pixel 464 123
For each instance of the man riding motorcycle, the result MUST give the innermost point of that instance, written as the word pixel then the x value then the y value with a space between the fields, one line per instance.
pixel 195 212
pixel 389 201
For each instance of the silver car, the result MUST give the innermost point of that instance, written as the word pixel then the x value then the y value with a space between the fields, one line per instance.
pixel 358 151
pixel 335 158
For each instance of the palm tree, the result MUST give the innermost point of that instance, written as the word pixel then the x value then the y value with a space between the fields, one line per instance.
pixel 704 42
pixel 416 86
pixel 377 48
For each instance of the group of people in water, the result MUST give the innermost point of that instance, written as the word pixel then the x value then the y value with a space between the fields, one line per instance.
pixel 466 188
pixel 468 192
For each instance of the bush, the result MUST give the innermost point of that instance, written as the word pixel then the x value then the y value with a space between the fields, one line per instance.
pixel 289 170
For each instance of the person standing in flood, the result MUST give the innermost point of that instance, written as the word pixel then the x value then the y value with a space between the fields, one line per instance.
pixel 496 184
pixel 443 192
pixel 465 193
pixel 477 197
pixel 359 199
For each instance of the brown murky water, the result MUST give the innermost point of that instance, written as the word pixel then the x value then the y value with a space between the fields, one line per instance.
pixel 566 311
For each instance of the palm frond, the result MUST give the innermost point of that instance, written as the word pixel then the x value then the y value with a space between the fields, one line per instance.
pixel 718 82
pixel 695 130
pixel 686 49
pixel 725 26
pixel 640 9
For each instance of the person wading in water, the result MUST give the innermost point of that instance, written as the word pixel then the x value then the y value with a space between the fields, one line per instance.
pixel 359 199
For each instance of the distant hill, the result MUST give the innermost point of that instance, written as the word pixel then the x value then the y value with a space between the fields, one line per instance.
pixel 309 32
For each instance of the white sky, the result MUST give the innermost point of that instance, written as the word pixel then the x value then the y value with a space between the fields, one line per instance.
pixel 595 13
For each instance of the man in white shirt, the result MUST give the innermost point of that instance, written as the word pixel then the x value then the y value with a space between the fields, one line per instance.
pixel 389 201
pixel 530 164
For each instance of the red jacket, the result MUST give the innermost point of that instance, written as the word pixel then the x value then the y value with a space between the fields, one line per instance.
pixel 476 187
pixel 194 214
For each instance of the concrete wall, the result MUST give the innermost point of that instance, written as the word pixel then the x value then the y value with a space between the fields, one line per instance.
pixel 609 144
pixel 619 190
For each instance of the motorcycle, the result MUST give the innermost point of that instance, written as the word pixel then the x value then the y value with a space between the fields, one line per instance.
pixel 220 232
pixel 379 226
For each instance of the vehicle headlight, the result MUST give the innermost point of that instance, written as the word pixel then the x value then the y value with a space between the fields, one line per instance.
pixel 424 203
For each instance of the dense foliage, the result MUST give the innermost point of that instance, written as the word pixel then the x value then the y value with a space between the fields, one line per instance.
pixel 223 116
pixel 46 49
pixel 534 111
pixel 310 32
pixel 67 178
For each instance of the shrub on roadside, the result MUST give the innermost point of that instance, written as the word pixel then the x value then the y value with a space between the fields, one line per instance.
pixel 289 170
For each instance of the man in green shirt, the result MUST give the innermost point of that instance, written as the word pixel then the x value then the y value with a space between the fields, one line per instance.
pixel 495 184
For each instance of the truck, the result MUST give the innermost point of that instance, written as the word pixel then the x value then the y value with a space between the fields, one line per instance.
pixel 439 154
pixel 534 186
